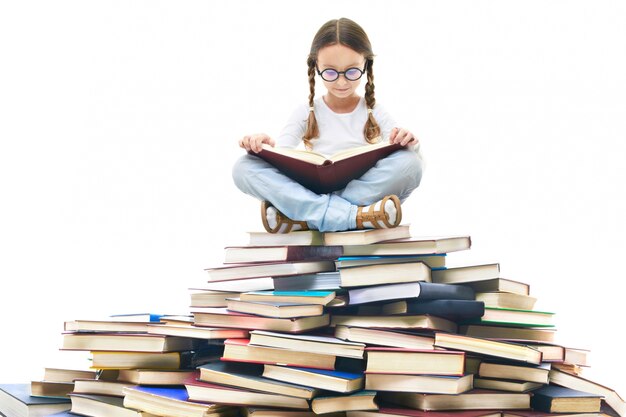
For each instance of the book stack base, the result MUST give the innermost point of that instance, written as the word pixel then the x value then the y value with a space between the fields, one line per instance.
pixel 359 324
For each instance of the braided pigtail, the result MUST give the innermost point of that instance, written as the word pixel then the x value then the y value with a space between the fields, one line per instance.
pixel 371 129
pixel 312 131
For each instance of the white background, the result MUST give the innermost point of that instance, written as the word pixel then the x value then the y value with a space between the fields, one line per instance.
pixel 119 122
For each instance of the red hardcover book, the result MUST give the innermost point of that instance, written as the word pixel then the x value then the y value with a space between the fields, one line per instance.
pixel 323 175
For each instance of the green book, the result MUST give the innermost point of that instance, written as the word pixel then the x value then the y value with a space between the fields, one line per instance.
pixel 515 317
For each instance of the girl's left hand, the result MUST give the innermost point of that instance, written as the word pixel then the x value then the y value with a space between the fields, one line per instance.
pixel 402 136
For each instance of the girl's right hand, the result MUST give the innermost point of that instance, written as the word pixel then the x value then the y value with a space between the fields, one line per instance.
pixel 254 142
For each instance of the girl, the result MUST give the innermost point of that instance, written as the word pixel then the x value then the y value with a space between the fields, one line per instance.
pixel 340 55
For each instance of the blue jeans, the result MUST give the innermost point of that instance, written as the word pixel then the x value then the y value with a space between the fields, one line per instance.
pixel 399 173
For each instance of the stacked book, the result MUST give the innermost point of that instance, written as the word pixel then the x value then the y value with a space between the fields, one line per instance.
pixel 360 323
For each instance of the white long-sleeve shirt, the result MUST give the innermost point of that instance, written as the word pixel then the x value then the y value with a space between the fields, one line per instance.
pixel 338 131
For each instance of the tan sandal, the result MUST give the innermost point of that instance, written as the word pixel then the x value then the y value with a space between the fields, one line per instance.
pixel 283 223
pixel 378 216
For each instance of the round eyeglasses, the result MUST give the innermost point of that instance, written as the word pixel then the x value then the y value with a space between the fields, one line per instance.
pixel 351 74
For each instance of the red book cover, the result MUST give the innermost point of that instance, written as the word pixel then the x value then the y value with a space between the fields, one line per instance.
pixel 328 174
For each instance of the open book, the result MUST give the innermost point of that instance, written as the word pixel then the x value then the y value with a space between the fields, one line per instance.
pixel 324 175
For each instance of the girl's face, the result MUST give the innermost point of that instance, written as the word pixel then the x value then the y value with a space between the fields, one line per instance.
pixel 340 58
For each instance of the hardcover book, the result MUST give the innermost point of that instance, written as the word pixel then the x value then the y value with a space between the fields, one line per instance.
pixel 250 376
pixel 240 350
pixel 515 318
pixel 416 291
pixel 414 362
pixel 127 342
pixel 299 237
pixel 359 276
pixel 309 282
pixel 302 297
pixel 579 383
pixel 499 284
pixel 274 309
pixel 323 175
pixel 462 274
pixel 506 300
pixel 389 411
pixel 410 246
pixel 154 377
pixel 331 380
pixel 455 310
pixel 308 343
pixel 414 322
pixel 508 333
pixel 256 254
pixel 432 384
pixel 221 317
pixel 16 398
pixel 170 401
pixel 433 261
pixel 366 236
pixel 471 400
pixel 101 387
pixel 515 372
pixel 511 351
pixel 103 405
pixel 554 399
pixel 267 269
pixel 505 385
pixel 361 400
pixel 49 389
pixel 212 393
pixel 401 339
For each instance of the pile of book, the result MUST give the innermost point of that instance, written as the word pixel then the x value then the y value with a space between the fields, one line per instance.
pixel 359 324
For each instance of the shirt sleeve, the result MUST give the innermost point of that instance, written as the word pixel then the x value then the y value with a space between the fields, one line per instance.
pixel 291 134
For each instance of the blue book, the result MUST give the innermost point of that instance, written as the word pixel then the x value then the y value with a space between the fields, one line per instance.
pixel 173 392
pixel 555 399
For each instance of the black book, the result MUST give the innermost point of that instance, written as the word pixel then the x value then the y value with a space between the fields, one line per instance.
pixel 15 399
pixel 455 310
pixel 555 399
pixel 413 290
pixel 193 359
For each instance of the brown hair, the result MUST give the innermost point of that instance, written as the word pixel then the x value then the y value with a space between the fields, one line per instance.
pixel 348 33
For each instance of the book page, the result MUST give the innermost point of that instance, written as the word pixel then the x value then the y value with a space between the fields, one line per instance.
pixel 303 155
pixel 345 154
